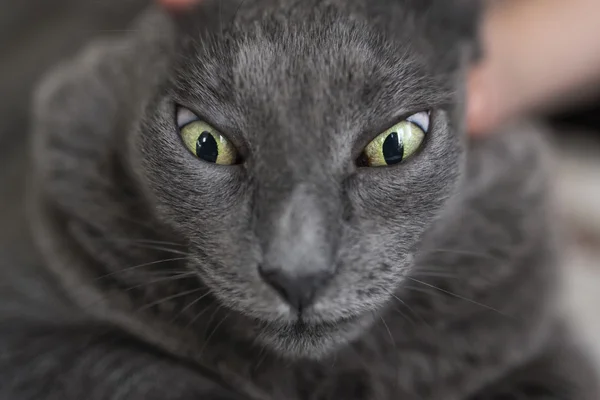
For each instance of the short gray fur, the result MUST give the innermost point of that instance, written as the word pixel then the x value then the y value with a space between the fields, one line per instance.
pixel 444 273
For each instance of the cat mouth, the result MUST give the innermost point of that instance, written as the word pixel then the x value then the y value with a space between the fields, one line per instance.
pixel 304 326
pixel 312 340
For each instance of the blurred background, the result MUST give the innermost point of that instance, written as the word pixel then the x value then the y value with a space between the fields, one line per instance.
pixel 36 34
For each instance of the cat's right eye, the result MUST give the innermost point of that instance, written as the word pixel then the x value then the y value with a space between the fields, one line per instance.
pixel 398 143
pixel 204 141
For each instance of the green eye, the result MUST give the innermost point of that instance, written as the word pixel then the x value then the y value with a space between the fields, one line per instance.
pixel 397 143
pixel 208 144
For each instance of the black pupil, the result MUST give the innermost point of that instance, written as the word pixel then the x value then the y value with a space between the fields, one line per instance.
pixel 207 148
pixel 393 149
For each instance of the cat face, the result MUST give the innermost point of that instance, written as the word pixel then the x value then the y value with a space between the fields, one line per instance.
pixel 303 159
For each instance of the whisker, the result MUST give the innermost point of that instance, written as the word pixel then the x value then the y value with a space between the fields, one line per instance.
pixel 413 312
pixel 237 11
pixel 129 269
pixel 170 272
pixel 393 341
pixel 199 314
pixel 164 279
pixel 143 241
pixel 169 298
pixel 458 296
pixel 404 316
pixel 212 334
pixel 148 246
pixel 463 252
pixel 423 290
pixel 334 361
pixel 161 248
pixel 214 314
pixel 436 274
pixel 190 305
pixel 262 354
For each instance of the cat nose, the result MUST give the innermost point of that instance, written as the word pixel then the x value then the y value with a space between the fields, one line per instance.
pixel 298 291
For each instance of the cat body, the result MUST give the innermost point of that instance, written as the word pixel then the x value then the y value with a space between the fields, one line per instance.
pixel 438 276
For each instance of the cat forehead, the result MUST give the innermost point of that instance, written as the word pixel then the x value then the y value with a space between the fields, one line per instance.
pixel 443 21
pixel 321 33
pixel 316 49
pixel 291 58
pixel 398 39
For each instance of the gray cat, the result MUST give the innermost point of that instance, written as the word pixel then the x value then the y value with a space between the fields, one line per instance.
pixel 275 199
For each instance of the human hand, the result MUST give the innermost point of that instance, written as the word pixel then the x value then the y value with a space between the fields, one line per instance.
pixel 538 54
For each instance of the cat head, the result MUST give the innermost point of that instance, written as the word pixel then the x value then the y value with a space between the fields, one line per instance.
pixel 300 150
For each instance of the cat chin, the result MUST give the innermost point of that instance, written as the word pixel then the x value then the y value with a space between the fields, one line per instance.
pixel 312 341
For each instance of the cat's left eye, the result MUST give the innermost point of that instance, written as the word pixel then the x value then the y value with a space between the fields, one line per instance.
pixel 204 141
pixel 398 143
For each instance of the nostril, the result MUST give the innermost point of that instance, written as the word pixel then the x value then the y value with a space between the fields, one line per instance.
pixel 281 285
pixel 298 291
